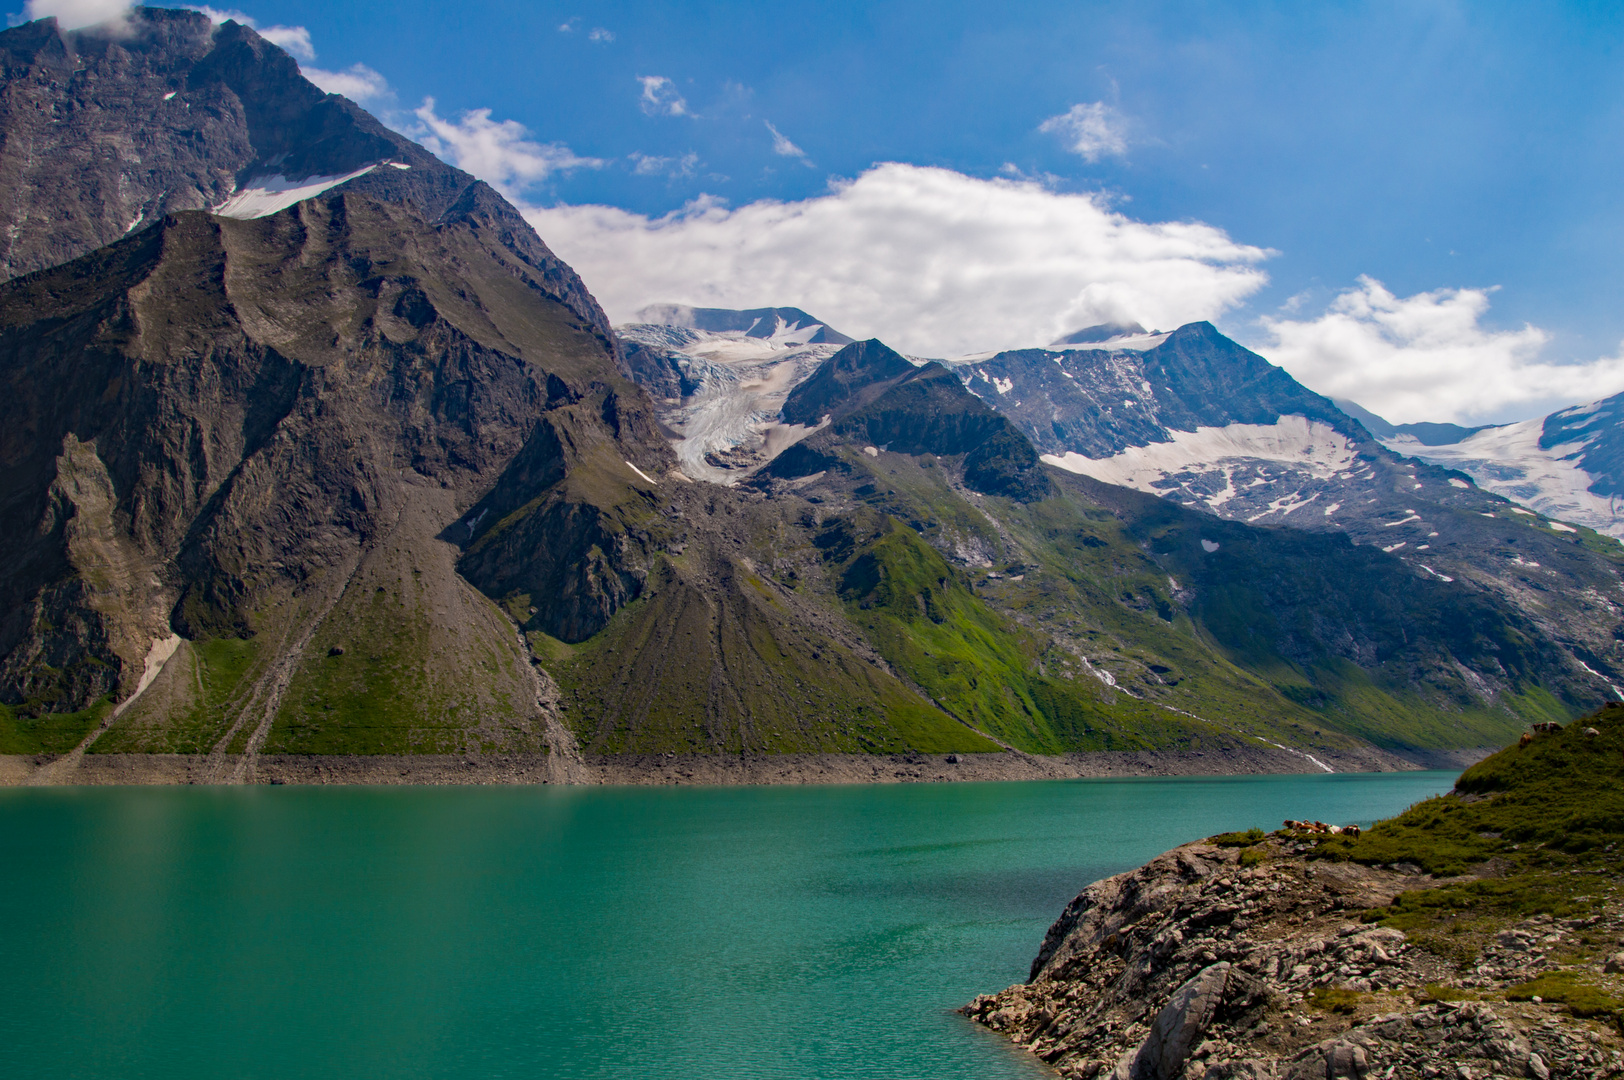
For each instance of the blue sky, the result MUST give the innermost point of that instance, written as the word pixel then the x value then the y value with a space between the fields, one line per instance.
pixel 1384 156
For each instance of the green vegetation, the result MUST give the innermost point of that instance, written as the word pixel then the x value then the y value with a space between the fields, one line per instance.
pixel 1569 988
pixel 1239 839
pixel 928 623
pixel 717 659
pixel 210 681
pixel 50 733
pixel 1533 830
pixel 1334 999
pixel 1562 793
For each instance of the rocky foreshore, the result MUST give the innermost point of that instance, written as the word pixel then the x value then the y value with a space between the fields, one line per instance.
pixel 708 769
pixel 1252 962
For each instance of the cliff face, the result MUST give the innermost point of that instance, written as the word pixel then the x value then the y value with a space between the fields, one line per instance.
pixel 259 431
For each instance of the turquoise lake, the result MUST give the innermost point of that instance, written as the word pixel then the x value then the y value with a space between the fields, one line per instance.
pixel 667 933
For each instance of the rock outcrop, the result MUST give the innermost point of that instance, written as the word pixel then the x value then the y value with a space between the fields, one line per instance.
pixel 1205 964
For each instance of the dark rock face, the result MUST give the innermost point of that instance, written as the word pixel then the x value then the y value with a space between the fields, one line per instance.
pixel 872 394
pixel 845 382
pixel 1098 402
pixel 213 425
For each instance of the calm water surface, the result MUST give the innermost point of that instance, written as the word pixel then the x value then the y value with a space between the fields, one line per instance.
pixel 541 932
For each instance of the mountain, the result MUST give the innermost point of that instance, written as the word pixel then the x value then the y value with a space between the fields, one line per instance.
pixel 994 582
pixel 1569 465
pixel 1196 419
pixel 344 460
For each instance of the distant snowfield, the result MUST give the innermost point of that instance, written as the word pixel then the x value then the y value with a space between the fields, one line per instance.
pixel 1508 461
pixel 1313 447
pixel 267 195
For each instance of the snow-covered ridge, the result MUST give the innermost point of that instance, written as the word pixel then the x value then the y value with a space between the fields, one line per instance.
pixel 267 195
pixel 1509 461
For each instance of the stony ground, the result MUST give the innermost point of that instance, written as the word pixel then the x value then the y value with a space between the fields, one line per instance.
pixel 1201 967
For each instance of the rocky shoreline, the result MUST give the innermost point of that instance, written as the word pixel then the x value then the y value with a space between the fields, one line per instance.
pixel 1245 963
pixel 671 769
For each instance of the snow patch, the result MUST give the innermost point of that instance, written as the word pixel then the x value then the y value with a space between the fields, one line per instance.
pixel 1509 461
pixel 1004 385
pixel 1434 573
pixel 1559 527
pixel 1390 548
pixel 641 473
pixel 1209 546
pixel 1592 671
pixel 1457 482
pixel 268 195
pixel 871 451
pixel 139 218
pixel 1307 444
pixel 1132 343
pixel 171 94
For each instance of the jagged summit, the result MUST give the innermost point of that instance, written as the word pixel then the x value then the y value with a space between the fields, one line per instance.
pixel 782 324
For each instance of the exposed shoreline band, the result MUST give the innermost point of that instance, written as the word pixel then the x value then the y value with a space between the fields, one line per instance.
pixel 705 769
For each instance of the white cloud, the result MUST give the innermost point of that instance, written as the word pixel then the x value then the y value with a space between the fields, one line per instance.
pixel 660 97
pixel 1093 130
pixel 600 35
pixel 784 148
pixel 569 24
pixel 73 14
pixel 499 152
pixel 649 165
pixel 1428 357
pixel 935 262
pixel 294 39
pixel 357 82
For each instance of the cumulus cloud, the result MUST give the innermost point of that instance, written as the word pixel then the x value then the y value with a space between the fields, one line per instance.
pixel 500 152
pixel 935 262
pixel 356 82
pixel 600 35
pixel 1093 130
pixel 660 97
pixel 74 14
pixel 784 148
pixel 1429 357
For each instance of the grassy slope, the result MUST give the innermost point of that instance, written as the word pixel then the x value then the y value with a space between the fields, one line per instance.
pixel 1531 830
pixel 1123 591
pixel 715 658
